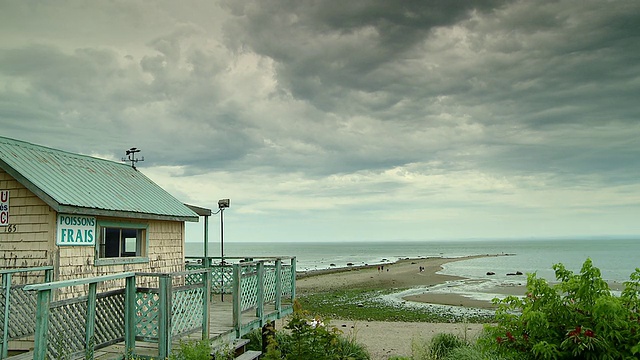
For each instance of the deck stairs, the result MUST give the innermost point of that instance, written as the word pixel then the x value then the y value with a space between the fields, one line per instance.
pixel 241 352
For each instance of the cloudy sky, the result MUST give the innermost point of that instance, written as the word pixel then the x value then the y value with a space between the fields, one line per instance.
pixel 346 120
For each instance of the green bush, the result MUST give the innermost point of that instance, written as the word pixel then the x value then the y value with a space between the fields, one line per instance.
pixel 576 318
pixel 442 344
pixel 194 350
pixel 311 338
pixel 475 352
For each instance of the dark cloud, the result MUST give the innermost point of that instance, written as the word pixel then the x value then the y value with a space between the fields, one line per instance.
pixel 440 106
pixel 325 49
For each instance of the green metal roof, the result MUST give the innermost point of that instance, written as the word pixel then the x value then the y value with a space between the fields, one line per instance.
pixel 79 184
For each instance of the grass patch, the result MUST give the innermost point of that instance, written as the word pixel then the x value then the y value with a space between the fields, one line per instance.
pixel 365 305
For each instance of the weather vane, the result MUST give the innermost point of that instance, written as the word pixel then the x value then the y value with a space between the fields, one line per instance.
pixel 131 156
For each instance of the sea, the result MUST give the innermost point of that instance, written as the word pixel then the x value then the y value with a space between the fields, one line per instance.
pixel 616 258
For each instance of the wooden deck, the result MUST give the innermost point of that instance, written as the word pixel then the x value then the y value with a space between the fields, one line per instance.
pixel 221 331
pixel 150 322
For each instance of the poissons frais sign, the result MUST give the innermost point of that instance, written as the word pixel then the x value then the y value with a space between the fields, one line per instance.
pixel 76 230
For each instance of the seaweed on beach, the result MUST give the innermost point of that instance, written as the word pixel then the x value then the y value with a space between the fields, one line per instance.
pixel 368 305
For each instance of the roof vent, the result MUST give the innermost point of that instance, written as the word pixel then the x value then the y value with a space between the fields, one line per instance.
pixel 131 156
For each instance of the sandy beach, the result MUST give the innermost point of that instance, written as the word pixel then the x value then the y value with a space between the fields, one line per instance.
pixel 385 339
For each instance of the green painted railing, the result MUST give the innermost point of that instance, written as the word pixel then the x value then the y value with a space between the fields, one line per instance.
pixel 258 284
pixel 18 305
pixel 71 327
pixel 222 273
pixel 178 306
pixel 187 300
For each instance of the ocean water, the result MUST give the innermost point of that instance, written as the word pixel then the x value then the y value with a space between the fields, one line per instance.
pixel 616 258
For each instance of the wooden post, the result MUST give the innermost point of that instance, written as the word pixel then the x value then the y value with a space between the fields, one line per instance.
pixel 130 316
pixel 268 333
pixel 206 316
pixel 260 292
pixel 164 317
pixel 6 282
pixel 293 279
pixel 237 294
pixel 90 326
pixel 48 275
pixel 42 324
pixel 279 286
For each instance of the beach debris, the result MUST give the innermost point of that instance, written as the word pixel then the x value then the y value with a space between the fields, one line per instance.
pixel 349 264
pixel 515 273
pixel 490 273
pixel 332 264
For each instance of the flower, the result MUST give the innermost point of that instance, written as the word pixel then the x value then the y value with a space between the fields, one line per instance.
pixel 499 339
pixel 589 333
pixel 315 323
pixel 575 332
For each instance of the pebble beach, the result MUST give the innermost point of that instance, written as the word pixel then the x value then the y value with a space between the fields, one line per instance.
pixel 384 339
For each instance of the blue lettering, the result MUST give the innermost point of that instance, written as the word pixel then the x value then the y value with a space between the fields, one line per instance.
pixel 69 235
pixel 88 235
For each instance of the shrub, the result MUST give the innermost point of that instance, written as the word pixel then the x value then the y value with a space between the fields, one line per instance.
pixel 467 353
pixel 442 344
pixel 311 338
pixel 195 350
pixel 576 318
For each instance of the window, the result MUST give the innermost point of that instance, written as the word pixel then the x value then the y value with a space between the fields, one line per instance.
pixel 120 242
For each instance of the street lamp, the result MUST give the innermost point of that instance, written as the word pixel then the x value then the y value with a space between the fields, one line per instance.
pixel 222 204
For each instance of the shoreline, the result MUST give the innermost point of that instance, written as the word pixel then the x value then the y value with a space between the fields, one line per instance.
pixel 405 274
pixel 384 339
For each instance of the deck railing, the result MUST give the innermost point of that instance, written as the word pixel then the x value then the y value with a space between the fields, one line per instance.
pixel 81 325
pixel 188 300
pixel 177 307
pixel 17 306
pixel 222 271
pixel 258 284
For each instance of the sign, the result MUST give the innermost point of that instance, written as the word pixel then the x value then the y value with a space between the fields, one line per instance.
pixel 76 230
pixel 4 207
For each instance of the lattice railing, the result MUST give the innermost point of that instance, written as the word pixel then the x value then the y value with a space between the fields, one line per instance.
pixel 222 280
pixel 17 305
pixel 187 314
pixel 67 321
pixel 249 291
pixel 22 305
pixel 147 314
pixel 110 318
pixel 269 284
pixel 259 283
pixel 178 306
pixel 287 277
pixel 77 327
pixel 66 335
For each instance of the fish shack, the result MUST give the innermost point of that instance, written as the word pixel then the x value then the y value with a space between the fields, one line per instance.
pixel 85 216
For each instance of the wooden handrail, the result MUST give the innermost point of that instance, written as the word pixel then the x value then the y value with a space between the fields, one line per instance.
pixel 75 282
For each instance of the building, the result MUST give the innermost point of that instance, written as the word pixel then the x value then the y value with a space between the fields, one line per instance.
pixel 85 216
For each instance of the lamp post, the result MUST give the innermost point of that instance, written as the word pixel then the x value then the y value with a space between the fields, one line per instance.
pixel 222 204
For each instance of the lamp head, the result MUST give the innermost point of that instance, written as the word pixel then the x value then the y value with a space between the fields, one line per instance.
pixel 224 203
